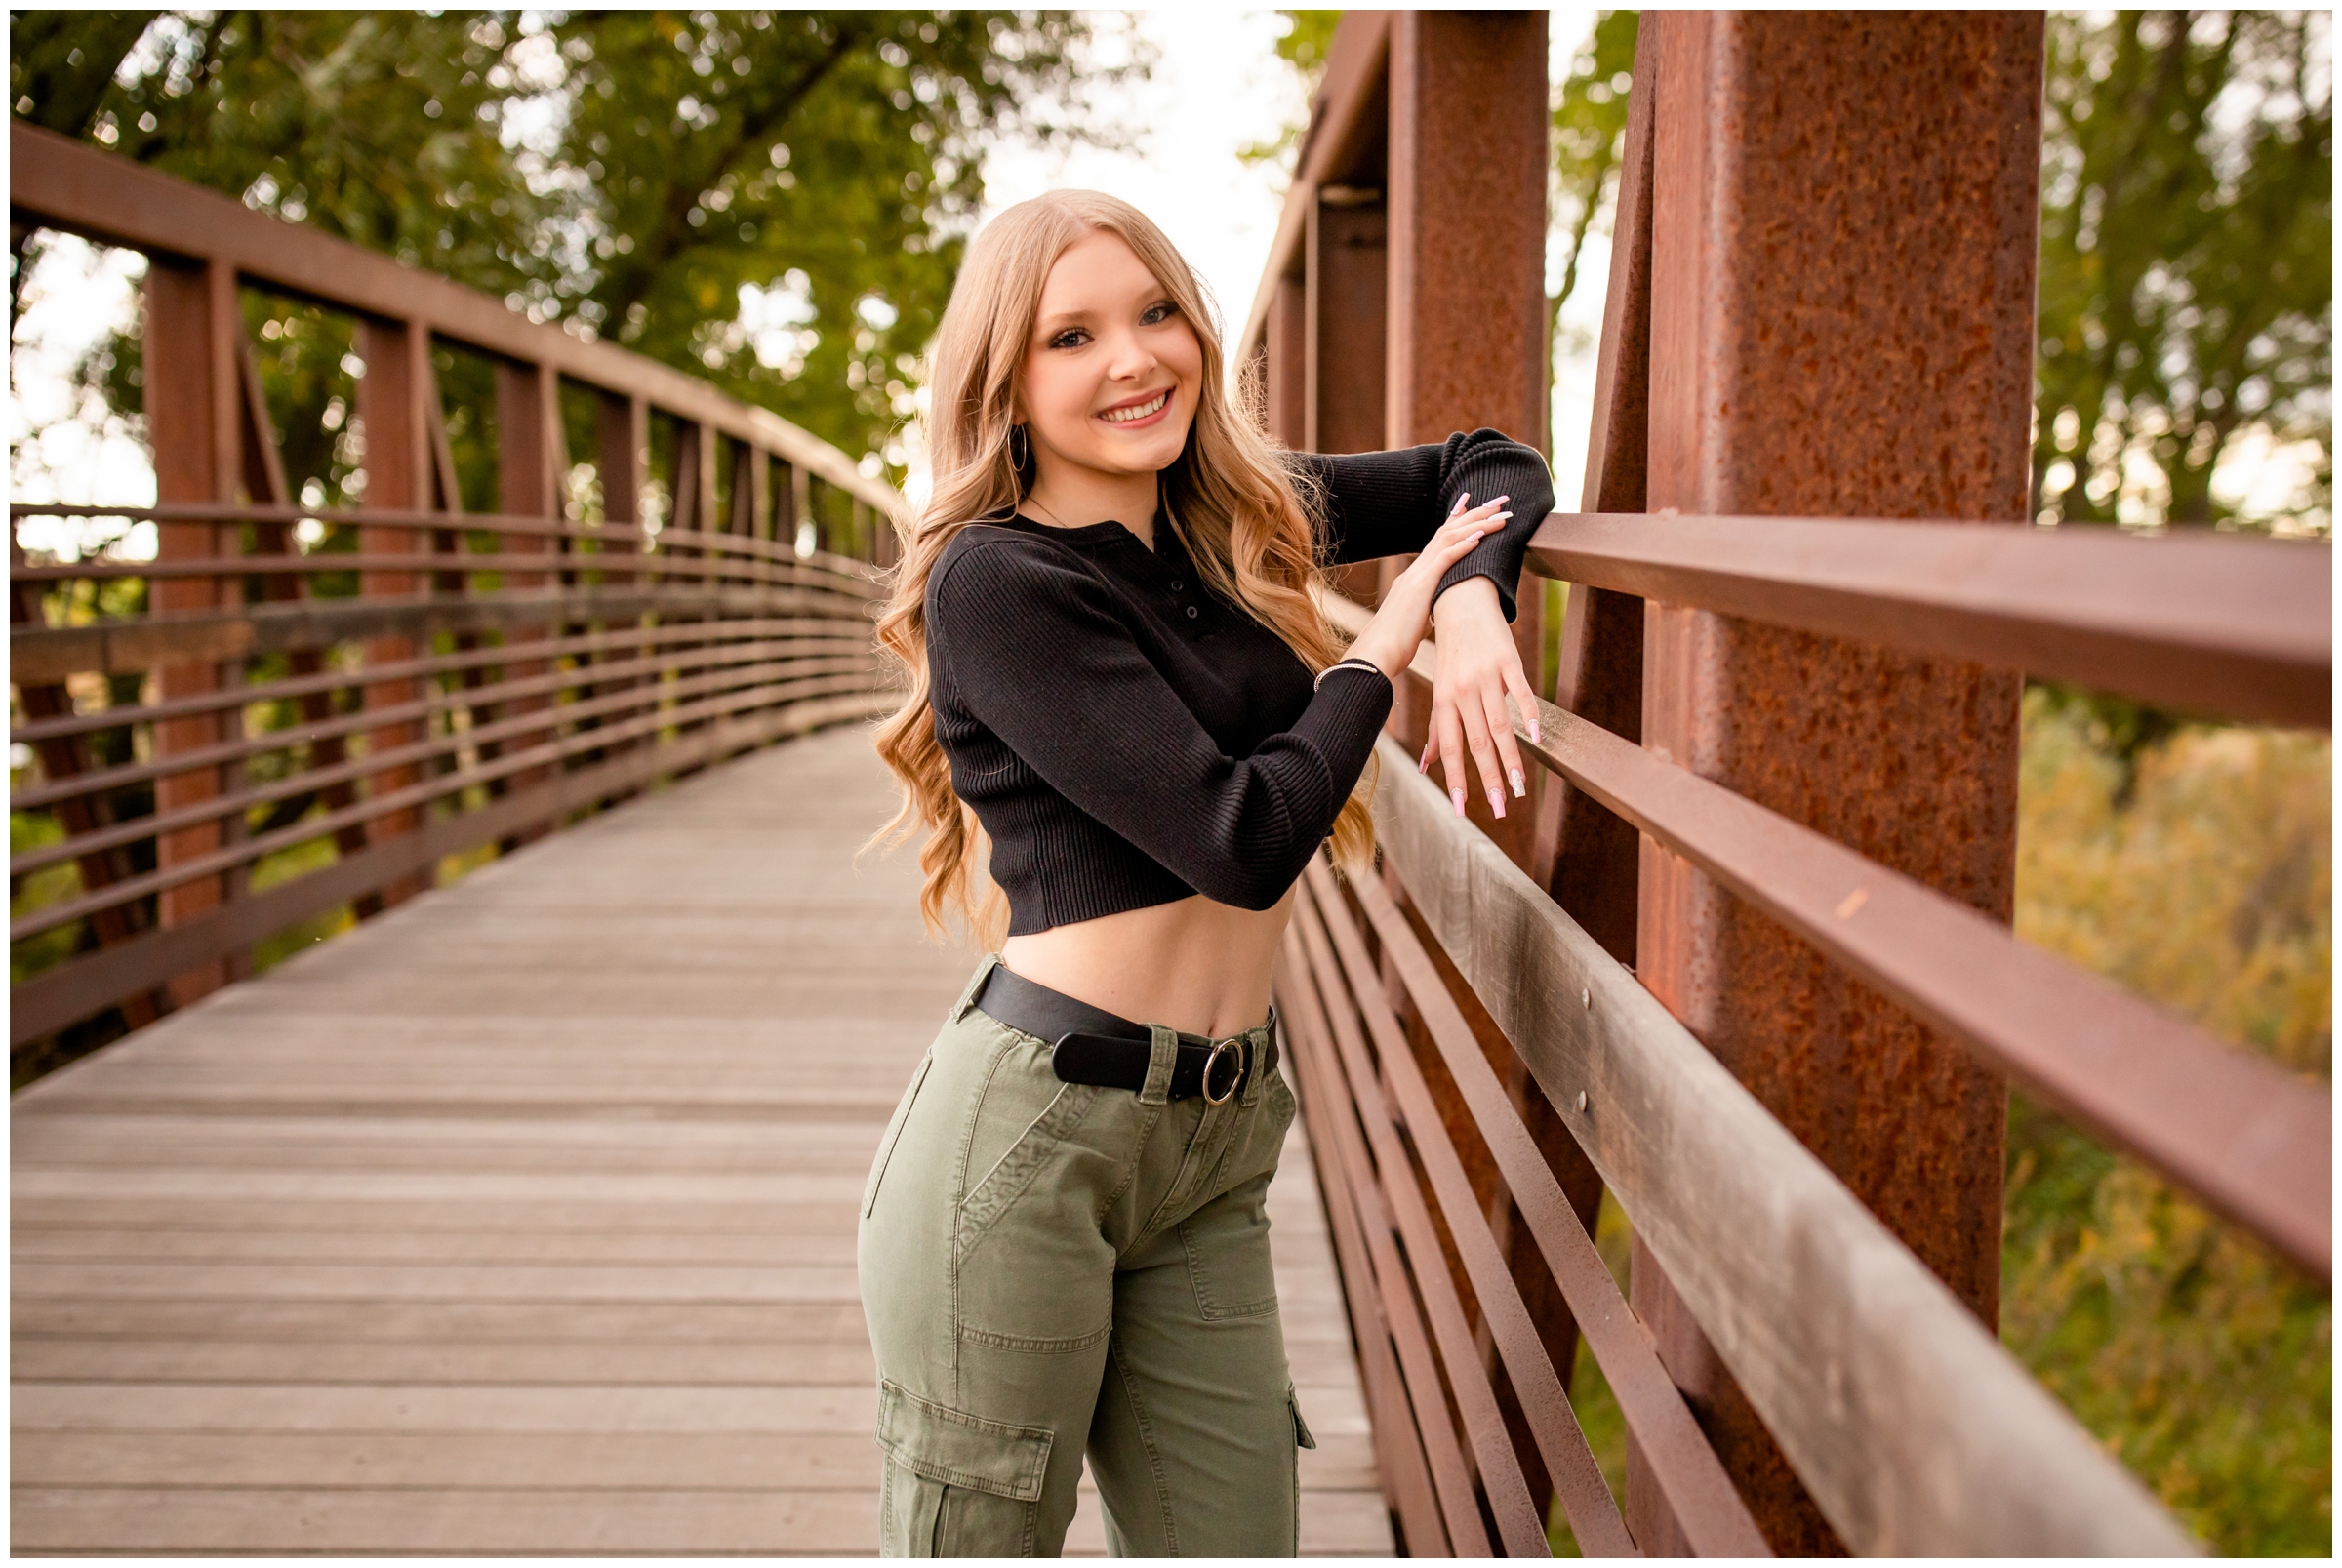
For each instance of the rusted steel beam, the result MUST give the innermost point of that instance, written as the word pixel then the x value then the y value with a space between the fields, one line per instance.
pixel 192 420
pixel 1584 856
pixel 72 992
pixel 1285 360
pixel 395 398
pixel 2238 628
pixel 1844 227
pixel 1343 321
pixel 531 462
pixel 58 183
pixel 1346 121
pixel 1334 1119
pixel 1465 341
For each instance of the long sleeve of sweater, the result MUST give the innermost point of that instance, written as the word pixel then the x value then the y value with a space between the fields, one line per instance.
pixel 1378 503
pixel 1040 652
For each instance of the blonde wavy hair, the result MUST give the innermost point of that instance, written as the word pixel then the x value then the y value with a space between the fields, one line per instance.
pixel 1234 505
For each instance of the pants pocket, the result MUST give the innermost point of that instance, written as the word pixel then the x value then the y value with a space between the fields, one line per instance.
pixel 894 1135
pixel 956 1484
pixel 1229 1265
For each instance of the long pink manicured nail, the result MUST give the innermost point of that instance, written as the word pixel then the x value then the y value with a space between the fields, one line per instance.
pixel 1533 735
pixel 1457 795
pixel 1495 802
pixel 1425 761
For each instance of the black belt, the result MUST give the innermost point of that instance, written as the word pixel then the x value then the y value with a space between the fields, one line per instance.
pixel 1092 1045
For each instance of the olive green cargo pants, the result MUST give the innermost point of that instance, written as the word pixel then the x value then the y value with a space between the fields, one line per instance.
pixel 1050 1269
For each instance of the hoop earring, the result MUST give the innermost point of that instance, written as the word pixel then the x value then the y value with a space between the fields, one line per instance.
pixel 1019 448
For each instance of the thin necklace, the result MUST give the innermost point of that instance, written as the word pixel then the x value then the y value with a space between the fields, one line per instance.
pixel 1054 519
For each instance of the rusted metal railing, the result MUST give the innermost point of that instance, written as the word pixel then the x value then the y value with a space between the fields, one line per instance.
pixel 1747 964
pixel 493 675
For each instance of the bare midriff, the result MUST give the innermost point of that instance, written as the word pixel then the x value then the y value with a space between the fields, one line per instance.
pixel 1198 966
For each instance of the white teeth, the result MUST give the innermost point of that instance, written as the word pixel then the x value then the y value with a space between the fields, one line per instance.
pixel 1123 415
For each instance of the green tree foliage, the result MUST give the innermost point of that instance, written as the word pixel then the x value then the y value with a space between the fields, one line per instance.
pixel 1309 34
pixel 2187 259
pixel 1589 129
pixel 773 200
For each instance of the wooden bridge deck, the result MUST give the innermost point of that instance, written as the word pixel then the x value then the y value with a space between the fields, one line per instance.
pixel 522 1219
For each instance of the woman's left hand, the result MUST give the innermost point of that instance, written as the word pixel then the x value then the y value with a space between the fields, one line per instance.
pixel 1479 666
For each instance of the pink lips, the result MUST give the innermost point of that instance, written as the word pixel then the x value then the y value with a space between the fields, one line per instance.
pixel 1168 394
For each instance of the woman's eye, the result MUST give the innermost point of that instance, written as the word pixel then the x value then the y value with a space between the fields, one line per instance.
pixel 1158 313
pixel 1070 338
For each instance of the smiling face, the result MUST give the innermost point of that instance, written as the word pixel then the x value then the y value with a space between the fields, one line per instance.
pixel 1114 368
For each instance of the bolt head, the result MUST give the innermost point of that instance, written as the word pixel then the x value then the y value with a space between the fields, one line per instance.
pixel 1581 1099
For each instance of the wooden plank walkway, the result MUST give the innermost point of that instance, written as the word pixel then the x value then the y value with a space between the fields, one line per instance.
pixel 522 1219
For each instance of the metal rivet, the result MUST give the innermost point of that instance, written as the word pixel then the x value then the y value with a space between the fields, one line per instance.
pixel 1581 1099
pixel 1587 997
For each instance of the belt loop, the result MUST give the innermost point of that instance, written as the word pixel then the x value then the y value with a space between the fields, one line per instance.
pixel 1159 1064
pixel 967 998
pixel 1255 1048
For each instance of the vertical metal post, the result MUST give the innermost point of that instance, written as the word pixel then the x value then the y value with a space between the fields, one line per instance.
pixel 1842 320
pixel 529 463
pixel 191 418
pixel 752 491
pixel 1286 375
pixel 1344 319
pixel 1464 348
pixel 393 399
pixel 622 458
pixel 1468 123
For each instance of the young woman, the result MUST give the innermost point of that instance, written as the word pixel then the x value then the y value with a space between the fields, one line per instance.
pixel 1118 678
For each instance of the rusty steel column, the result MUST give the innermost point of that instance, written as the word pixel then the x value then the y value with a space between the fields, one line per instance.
pixel 394 398
pixel 621 459
pixel 192 420
pixel 1345 310
pixel 1284 389
pixel 529 461
pixel 1466 338
pixel 1843 241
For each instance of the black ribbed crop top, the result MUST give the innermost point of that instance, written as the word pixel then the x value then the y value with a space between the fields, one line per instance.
pixel 1127 738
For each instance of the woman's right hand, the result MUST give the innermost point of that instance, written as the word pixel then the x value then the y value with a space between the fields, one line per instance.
pixel 1399 623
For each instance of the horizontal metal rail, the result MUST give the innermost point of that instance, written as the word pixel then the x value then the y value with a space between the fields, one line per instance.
pixel 577 659
pixel 73 990
pixel 583 645
pixel 134 644
pixel 2235 626
pixel 62 183
pixel 2256 1145
pixel 1897 1407
pixel 713 698
pixel 769 653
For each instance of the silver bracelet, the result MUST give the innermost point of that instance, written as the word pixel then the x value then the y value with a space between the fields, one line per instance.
pixel 1349 664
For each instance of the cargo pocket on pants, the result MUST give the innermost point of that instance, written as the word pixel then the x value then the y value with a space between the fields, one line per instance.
pixel 894 1134
pixel 956 1485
